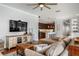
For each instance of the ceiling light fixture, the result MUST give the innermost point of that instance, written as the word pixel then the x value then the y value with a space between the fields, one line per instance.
pixel 41 5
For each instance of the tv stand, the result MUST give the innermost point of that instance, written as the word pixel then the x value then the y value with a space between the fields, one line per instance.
pixel 12 41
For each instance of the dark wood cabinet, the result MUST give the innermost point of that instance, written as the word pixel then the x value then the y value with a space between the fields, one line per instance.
pixel 46 26
pixel 41 35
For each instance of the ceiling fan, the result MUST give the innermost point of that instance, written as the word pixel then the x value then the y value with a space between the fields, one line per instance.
pixel 42 5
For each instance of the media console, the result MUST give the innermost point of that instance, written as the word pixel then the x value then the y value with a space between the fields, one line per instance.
pixel 12 41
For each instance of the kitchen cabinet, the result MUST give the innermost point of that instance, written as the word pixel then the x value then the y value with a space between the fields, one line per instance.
pixel 41 35
pixel 46 26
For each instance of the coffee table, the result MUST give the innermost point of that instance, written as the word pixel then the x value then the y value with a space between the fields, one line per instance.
pixel 21 48
pixel 24 46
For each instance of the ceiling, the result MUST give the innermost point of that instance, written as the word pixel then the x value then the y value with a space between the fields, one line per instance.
pixel 67 10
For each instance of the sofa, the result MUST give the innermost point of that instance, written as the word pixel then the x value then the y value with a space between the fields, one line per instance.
pixel 55 49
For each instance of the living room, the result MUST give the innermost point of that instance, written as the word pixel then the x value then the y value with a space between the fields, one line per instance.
pixel 20 24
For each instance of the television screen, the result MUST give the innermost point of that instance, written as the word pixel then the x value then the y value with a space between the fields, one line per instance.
pixel 17 26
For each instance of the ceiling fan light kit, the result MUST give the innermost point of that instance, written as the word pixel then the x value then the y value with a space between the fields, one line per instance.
pixel 42 5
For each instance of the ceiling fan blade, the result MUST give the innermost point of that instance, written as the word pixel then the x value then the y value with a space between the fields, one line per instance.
pixel 51 3
pixel 36 7
pixel 47 6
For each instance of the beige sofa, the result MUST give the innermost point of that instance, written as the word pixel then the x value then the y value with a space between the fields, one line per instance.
pixel 1 54
pixel 55 49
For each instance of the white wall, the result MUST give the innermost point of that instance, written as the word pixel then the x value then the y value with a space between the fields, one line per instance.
pixel 59 27
pixel 7 13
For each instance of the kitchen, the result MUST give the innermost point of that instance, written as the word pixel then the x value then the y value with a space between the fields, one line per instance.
pixel 46 30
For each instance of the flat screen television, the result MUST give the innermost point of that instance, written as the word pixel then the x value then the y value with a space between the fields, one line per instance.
pixel 17 26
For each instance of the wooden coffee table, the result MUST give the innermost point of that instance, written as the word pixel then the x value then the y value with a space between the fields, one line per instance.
pixel 21 48
pixel 24 46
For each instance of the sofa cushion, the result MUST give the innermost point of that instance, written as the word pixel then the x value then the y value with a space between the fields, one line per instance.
pixel 51 49
pixel 58 50
pixel 41 48
pixel 62 43
pixel 29 52
pixel 55 49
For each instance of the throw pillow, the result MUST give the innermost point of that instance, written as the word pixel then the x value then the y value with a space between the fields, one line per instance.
pixel 41 48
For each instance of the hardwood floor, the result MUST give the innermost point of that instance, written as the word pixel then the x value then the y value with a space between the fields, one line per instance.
pixel 19 46
pixel 7 51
